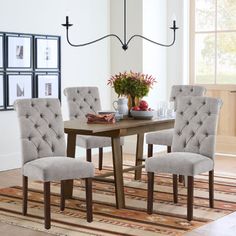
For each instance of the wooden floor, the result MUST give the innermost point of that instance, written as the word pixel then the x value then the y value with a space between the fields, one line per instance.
pixel 225 226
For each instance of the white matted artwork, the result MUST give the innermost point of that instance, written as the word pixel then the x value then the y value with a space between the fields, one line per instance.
pixel 46 53
pixel 1 92
pixel 19 52
pixel 19 87
pixel 1 51
pixel 48 86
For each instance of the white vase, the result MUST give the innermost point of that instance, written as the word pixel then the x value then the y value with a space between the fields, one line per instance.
pixel 121 105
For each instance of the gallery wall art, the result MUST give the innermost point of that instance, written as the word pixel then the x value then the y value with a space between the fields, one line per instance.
pixel 30 67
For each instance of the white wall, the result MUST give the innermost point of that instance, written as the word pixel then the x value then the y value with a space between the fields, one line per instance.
pixel 178 55
pixel 132 59
pixel 155 57
pixel 80 66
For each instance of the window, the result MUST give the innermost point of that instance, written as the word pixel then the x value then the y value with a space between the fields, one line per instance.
pixel 213 41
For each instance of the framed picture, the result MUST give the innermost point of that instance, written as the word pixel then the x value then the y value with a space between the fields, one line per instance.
pixel 48 86
pixel 47 53
pixel 1 92
pixel 19 50
pixel 18 87
pixel 1 51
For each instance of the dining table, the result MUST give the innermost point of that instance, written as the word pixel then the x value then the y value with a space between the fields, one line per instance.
pixel 115 131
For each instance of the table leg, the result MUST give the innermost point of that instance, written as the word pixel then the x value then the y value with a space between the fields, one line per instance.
pixel 68 184
pixel 139 155
pixel 118 173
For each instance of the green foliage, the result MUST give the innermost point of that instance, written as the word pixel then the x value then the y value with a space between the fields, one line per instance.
pixel 131 84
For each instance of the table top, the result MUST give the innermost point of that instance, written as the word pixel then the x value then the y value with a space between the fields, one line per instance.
pixel 80 125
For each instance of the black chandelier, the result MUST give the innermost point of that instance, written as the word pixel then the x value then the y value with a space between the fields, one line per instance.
pixel 124 43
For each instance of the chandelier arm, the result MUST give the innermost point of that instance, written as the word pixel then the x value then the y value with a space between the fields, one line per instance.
pixel 160 44
pixel 91 42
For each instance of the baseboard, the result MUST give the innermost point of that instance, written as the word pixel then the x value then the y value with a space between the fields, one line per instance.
pixel 10 161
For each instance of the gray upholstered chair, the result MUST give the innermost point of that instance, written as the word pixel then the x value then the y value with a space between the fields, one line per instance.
pixel 44 152
pixel 83 100
pixel 164 137
pixel 193 148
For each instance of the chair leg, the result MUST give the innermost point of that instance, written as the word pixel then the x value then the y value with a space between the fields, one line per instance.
pixel 121 151
pixel 47 210
pixel 150 192
pixel 175 188
pixel 25 194
pixel 100 158
pixel 190 198
pixel 211 189
pixel 168 149
pixel 62 205
pixel 181 178
pixel 89 204
pixel 89 155
pixel 150 150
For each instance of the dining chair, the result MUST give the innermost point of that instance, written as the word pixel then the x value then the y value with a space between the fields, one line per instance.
pixel 164 137
pixel 81 101
pixel 193 148
pixel 44 152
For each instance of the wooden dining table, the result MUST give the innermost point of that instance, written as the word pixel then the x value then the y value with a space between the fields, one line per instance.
pixel 115 131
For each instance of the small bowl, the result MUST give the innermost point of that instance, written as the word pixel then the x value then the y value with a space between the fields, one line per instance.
pixel 142 115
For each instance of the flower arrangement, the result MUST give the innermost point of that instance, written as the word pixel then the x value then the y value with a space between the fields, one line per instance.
pixel 135 85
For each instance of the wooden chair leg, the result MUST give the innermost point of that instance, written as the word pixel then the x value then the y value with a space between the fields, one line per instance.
pixel 181 178
pixel 168 149
pixel 62 205
pixel 211 189
pixel 150 150
pixel 89 204
pixel 121 151
pixel 190 198
pixel 175 188
pixel 100 158
pixel 89 155
pixel 25 194
pixel 47 210
pixel 150 192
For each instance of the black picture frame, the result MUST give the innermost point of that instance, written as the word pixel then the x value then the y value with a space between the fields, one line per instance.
pixel 47 53
pixel 19 49
pixel 19 86
pixel 48 85
pixel 2 93
pixel 7 69
pixel 1 51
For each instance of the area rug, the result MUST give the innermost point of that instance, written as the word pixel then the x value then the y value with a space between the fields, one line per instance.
pixel 168 218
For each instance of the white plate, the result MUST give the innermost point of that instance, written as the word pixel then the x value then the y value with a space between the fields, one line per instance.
pixel 106 112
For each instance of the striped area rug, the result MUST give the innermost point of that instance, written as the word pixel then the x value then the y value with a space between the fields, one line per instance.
pixel 168 218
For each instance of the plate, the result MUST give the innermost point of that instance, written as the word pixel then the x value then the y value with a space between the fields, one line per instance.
pixel 106 112
pixel 142 115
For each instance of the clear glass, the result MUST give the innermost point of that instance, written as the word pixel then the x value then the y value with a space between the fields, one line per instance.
pixel 205 15
pixel 226 15
pixel 205 58
pixel 162 107
pixel 226 58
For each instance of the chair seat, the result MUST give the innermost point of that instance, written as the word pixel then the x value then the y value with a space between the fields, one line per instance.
pixel 90 142
pixel 162 137
pixel 57 168
pixel 182 163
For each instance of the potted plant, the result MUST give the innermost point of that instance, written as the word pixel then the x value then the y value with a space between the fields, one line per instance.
pixel 132 85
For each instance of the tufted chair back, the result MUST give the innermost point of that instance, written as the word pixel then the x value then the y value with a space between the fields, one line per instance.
pixel 178 91
pixel 196 125
pixel 82 100
pixel 41 128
